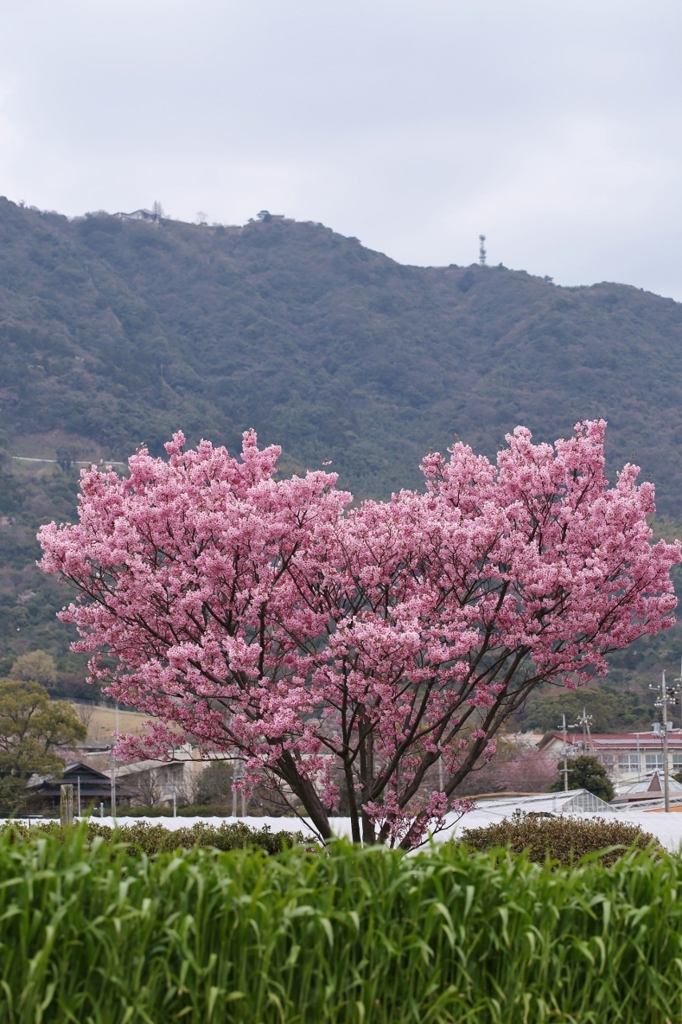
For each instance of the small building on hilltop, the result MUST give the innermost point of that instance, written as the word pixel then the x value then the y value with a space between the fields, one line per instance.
pixel 147 215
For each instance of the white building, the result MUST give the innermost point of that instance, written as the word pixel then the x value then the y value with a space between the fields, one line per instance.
pixel 161 783
pixel 627 757
pixel 148 215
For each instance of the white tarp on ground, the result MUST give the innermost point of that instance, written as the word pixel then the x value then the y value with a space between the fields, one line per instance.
pixel 667 828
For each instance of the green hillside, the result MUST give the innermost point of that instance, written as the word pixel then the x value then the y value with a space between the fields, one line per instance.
pixel 120 331
pixel 114 332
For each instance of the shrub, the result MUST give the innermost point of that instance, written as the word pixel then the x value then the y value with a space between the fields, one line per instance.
pixel 143 838
pixel 562 839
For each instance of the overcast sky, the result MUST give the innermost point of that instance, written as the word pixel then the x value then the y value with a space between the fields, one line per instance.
pixel 551 126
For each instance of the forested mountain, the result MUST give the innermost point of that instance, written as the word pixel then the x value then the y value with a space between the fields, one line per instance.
pixel 121 331
pixel 117 331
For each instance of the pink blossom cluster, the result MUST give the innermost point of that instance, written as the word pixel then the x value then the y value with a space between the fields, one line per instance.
pixel 368 653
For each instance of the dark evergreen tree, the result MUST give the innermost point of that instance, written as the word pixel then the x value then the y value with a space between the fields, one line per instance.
pixel 588 773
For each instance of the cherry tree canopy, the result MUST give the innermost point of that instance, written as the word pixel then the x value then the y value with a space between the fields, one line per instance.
pixel 366 654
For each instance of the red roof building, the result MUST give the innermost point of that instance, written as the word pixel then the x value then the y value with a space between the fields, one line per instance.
pixel 627 757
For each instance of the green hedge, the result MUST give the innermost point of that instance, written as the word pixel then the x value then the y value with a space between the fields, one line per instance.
pixel 562 839
pixel 143 838
pixel 90 935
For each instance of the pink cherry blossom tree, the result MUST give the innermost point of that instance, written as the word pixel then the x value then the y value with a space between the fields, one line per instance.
pixel 369 653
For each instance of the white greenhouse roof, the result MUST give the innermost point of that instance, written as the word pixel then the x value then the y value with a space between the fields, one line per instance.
pixel 653 784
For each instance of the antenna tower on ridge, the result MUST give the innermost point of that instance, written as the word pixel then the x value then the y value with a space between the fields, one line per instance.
pixel 482 254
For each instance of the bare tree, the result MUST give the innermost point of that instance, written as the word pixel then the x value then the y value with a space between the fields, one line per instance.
pixel 184 783
pixel 149 788
pixel 85 713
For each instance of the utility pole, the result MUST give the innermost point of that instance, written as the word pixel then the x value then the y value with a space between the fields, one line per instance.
pixel 664 716
pixel 113 773
pixel 234 791
pixel 564 770
pixel 669 695
pixel 584 724
pixel 639 759
pixel 678 686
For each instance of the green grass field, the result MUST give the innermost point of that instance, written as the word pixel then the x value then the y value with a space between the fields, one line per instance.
pixel 94 935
